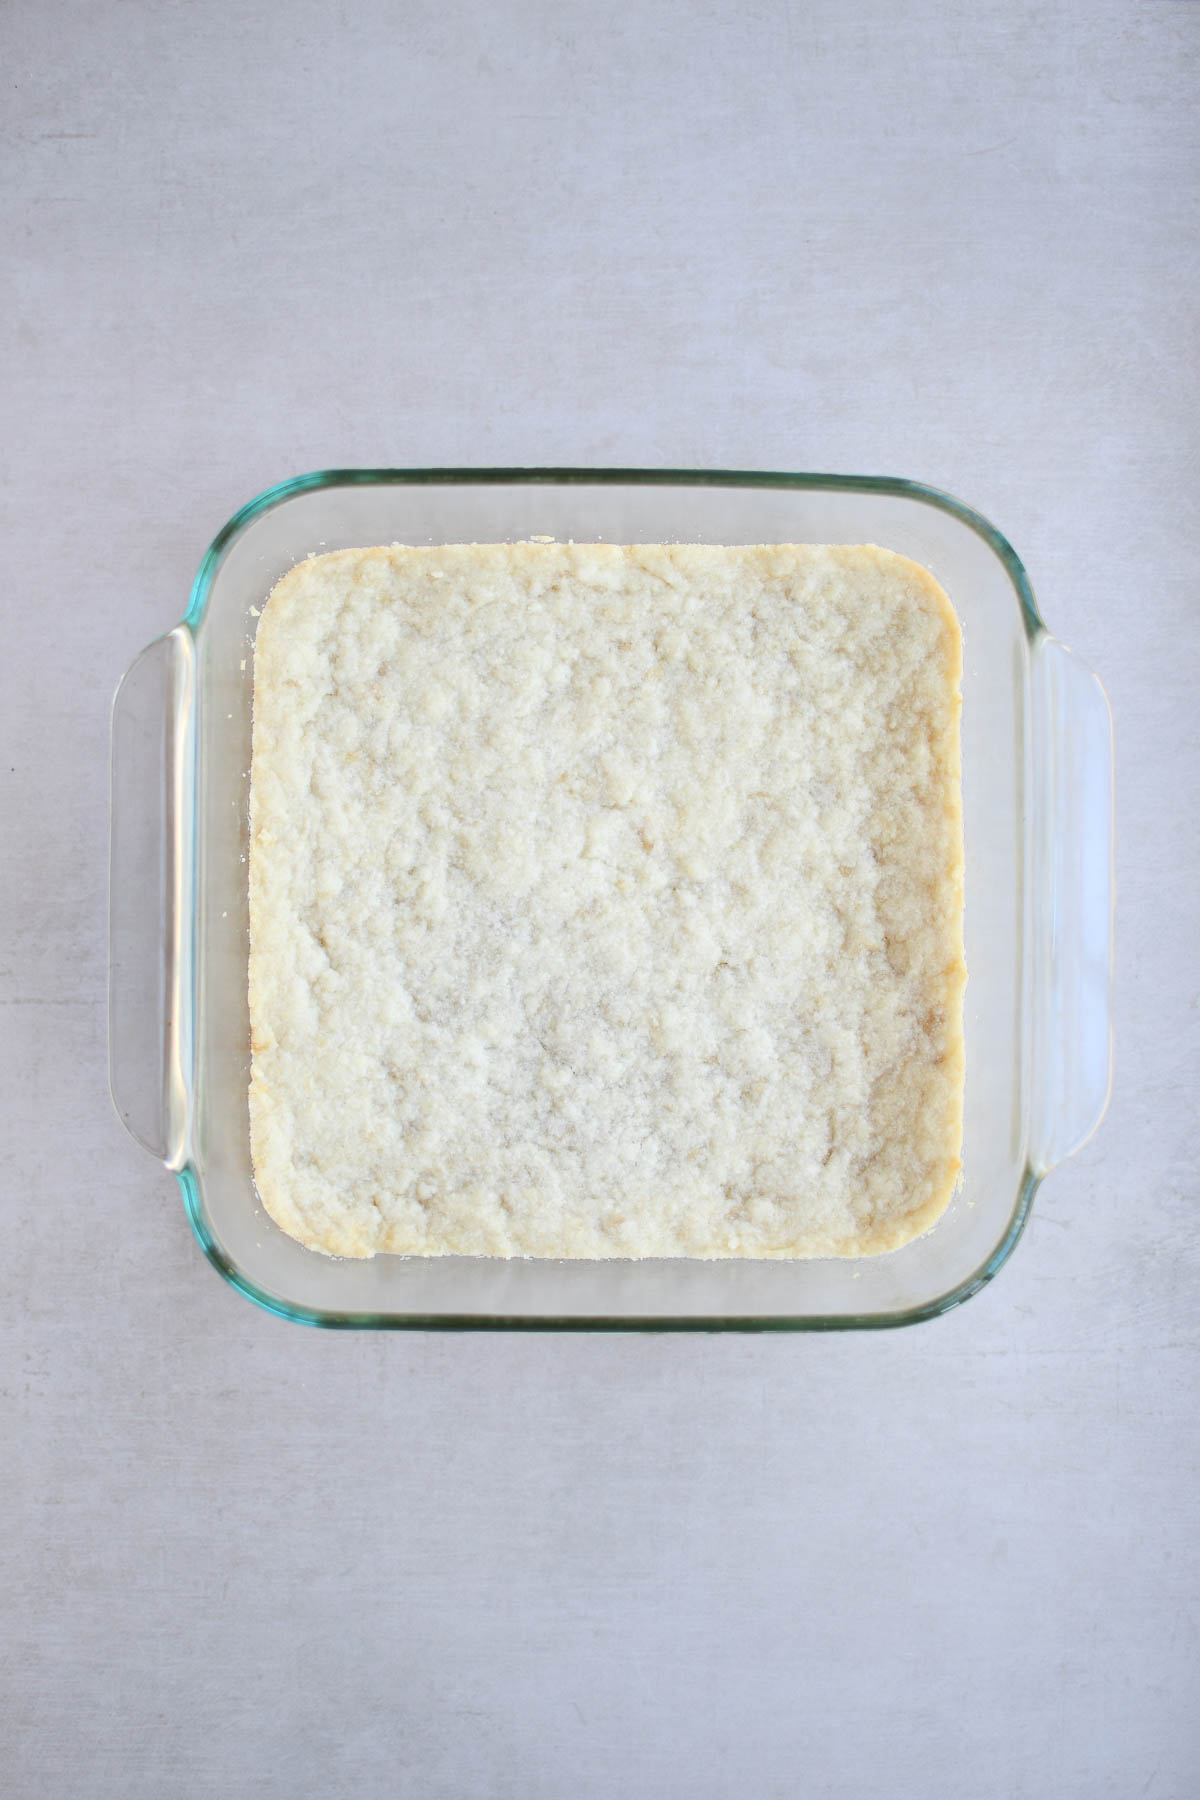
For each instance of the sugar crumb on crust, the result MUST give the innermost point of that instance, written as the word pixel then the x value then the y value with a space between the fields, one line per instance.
pixel 606 901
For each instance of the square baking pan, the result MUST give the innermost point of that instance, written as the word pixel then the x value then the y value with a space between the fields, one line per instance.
pixel 1037 816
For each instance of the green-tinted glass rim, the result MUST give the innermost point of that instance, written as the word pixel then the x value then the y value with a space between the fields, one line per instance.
pixel 372 1321
pixel 728 478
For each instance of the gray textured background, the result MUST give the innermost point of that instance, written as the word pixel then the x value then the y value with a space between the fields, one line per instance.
pixel 241 241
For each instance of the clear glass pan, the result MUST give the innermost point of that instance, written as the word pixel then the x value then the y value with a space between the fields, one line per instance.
pixel 1037 801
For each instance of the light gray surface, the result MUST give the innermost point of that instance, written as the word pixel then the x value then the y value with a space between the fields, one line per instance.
pixel 240 242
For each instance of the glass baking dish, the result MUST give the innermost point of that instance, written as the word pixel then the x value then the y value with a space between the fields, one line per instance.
pixel 1037 806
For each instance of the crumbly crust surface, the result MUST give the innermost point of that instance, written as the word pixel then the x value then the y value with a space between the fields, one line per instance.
pixel 606 902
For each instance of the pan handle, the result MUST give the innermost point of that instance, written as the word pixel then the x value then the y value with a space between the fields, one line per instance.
pixel 1073 903
pixel 151 862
